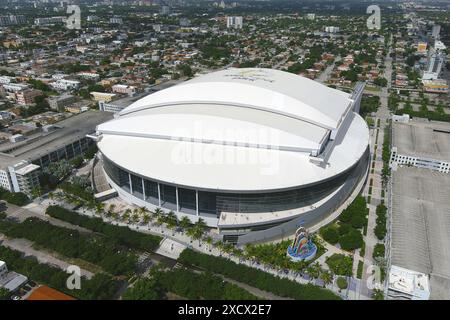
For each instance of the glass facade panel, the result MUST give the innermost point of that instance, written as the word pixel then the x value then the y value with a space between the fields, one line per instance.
pixel 61 153
pixel 168 197
pixel 53 156
pixel 212 203
pixel 69 151
pixel 136 183
pixel 77 148
pixel 45 160
pixel 151 192
pixel 207 203
pixel 187 200
pixel 124 180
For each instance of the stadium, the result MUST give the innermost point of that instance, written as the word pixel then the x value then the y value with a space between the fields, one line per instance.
pixel 255 153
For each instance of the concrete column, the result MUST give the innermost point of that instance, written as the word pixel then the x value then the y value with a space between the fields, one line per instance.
pixel 159 195
pixel 176 195
pixel 196 202
pixel 143 188
pixel 131 185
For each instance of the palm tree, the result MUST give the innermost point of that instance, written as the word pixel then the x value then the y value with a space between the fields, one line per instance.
pixel 111 208
pixel 126 216
pixel 228 248
pixel 157 213
pixel 171 221
pixel 99 208
pixel 377 294
pixel 209 241
pixel 191 232
pixel 219 246
pixel 312 272
pixel 114 215
pixel 135 216
pixel 185 222
pixel 160 221
pixel 146 218
pixel 326 277
pixel 143 210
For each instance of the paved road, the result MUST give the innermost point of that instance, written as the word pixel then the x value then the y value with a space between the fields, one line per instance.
pixel 33 210
pixel 383 114
pixel 42 256
pixel 323 77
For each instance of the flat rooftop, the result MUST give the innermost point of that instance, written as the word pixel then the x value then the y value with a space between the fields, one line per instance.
pixel 421 225
pixel 128 100
pixel 47 293
pixel 40 144
pixel 423 138
pixel 409 282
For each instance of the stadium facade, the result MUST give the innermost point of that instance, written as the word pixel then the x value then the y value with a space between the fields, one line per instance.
pixel 255 153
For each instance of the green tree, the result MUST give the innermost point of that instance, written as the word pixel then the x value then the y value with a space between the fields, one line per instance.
pixel 377 294
pixel 330 234
pixel 340 264
pixel 326 277
pixel 351 240
pixel 4 293
pixel 342 283
pixel 185 223
pixel 144 289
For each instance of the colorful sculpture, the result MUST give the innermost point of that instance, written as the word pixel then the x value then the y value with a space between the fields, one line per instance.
pixel 302 248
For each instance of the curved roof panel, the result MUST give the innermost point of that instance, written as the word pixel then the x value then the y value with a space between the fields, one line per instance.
pixel 265 89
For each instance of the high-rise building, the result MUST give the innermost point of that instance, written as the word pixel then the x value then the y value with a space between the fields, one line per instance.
pixel 115 20
pixel 332 29
pixel 165 10
pixel 12 20
pixel 434 66
pixel 435 31
pixel 235 22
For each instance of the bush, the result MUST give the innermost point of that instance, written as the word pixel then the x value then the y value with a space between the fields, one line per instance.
pixel 4 293
pixel 90 152
pixel 100 286
pixel 70 243
pixel 144 289
pixel 344 228
pixel 351 240
pixel 120 234
pixel 77 161
pixel 342 283
pixel 358 220
pixel 340 264
pixel 201 286
pixel 330 234
pixel 256 278
pixel 360 269
pixel 380 228
pixel 378 250
pixel 16 198
pixel 77 190
pixel 355 213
